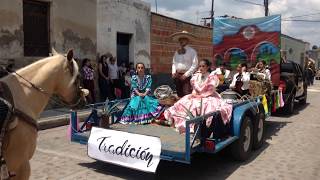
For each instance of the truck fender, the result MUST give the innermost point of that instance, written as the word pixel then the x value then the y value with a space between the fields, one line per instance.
pixel 239 112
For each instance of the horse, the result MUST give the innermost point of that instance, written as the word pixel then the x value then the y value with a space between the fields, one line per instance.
pixel 32 87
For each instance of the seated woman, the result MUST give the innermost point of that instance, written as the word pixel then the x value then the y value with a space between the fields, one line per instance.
pixel 262 71
pixel 224 77
pixel 142 108
pixel 204 86
pixel 240 81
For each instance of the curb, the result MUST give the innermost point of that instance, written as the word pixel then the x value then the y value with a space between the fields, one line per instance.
pixel 61 120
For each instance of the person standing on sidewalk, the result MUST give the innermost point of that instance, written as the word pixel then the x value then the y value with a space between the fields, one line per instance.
pixel 114 77
pixel 184 64
pixel 103 79
pixel 88 79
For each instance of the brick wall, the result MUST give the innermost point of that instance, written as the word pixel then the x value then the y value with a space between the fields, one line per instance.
pixel 163 48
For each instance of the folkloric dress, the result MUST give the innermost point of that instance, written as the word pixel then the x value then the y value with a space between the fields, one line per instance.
pixel 141 110
pixel 205 88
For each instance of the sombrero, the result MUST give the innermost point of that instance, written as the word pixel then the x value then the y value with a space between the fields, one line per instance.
pixel 183 34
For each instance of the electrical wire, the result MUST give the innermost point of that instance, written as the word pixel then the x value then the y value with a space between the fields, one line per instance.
pixel 301 20
pixel 305 15
pixel 249 2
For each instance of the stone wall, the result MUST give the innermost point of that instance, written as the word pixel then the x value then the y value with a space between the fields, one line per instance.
pixel 163 48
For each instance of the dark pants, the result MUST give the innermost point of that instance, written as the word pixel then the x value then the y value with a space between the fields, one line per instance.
pixel 104 89
pixel 222 88
pixel 126 92
pixel 89 84
pixel 183 87
pixel 113 85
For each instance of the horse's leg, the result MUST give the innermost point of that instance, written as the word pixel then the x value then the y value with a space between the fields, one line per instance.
pixel 23 173
pixel 20 144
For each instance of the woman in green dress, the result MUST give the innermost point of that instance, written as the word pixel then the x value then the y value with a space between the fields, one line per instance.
pixel 142 108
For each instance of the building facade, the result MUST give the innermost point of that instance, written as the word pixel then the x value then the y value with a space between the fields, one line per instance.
pixel 294 49
pixel 29 29
pixel 123 29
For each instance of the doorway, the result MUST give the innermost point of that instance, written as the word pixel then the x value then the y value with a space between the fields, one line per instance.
pixel 36 28
pixel 123 46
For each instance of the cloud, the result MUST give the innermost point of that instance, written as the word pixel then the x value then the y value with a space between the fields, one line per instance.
pixel 193 10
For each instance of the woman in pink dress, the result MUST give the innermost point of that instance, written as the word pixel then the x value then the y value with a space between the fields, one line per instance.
pixel 204 87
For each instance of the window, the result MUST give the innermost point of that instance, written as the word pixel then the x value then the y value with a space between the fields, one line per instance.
pixel 36 28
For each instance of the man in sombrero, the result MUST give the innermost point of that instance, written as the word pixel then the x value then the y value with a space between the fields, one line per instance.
pixel 184 64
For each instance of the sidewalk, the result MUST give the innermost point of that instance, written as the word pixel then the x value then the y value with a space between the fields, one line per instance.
pixel 59 117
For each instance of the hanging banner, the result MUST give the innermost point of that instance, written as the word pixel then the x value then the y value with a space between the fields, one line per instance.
pixel 248 41
pixel 125 149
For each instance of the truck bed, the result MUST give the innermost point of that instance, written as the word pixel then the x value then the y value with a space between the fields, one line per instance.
pixel 172 143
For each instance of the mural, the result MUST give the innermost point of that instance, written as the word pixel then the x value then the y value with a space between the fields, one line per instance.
pixel 248 40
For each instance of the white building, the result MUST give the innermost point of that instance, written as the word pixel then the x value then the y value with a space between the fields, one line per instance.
pixel 294 49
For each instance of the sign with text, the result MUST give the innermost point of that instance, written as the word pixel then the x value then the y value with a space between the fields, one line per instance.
pixel 125 149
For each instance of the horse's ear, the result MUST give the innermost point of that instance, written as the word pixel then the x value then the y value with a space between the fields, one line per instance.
pixel 54 52
pixel 70 55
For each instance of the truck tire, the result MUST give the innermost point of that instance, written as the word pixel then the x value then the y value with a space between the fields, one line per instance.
pixel 241 148
pixel 304 100
pixel 289 107
pixel 259 130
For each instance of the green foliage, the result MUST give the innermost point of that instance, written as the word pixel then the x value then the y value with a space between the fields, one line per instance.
pixel 110 110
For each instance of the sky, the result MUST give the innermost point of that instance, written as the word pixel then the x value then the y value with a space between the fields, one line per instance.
pixel 193 10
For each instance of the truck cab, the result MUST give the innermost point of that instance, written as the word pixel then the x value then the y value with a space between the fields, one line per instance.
pixel 293 84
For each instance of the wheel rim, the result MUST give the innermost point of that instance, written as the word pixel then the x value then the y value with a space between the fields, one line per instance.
pixel 247 139
pixel 260 129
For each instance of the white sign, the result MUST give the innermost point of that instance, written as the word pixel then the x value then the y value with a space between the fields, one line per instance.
pixel 126 149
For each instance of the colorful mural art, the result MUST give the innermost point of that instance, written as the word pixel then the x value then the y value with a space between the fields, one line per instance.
pixel 248 41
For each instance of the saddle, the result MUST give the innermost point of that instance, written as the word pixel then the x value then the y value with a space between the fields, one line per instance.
pixel 6 104
pixel 7 114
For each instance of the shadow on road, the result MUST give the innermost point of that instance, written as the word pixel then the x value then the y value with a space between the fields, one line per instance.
pixel 297 109
pixel 217 166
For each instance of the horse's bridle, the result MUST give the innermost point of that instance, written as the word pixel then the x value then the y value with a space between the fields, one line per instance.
pixel 57 98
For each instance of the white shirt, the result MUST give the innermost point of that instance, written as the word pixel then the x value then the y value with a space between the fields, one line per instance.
pixel 245 80
pixel 113 71
pixel 187 62
pixel 266 74
pixel 219 72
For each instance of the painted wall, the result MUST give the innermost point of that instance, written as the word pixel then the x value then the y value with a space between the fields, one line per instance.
pixel 72 25
pixel 294 49
pixel 124 16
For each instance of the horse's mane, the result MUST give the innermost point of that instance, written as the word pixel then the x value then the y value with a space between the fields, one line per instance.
pixel 55 60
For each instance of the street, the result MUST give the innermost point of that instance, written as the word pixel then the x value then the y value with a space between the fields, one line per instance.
pixel 291 151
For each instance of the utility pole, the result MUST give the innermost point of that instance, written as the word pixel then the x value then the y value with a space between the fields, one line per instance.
pixel 156 6
pixel 266 7
pixel 212 13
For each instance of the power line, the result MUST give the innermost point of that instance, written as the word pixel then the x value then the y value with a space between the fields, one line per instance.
pixel 301 20
pixel 304 15
pixel 265 5
pixel 250 2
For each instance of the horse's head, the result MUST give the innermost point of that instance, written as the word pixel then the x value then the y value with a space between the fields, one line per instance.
pixel 68 87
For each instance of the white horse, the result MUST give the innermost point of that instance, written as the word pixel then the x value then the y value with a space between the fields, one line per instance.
pixel 31 88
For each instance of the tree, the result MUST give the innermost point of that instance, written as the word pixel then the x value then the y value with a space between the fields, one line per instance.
pixel 314 47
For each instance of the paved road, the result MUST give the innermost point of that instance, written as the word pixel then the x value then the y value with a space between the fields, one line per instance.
pixel 291 151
